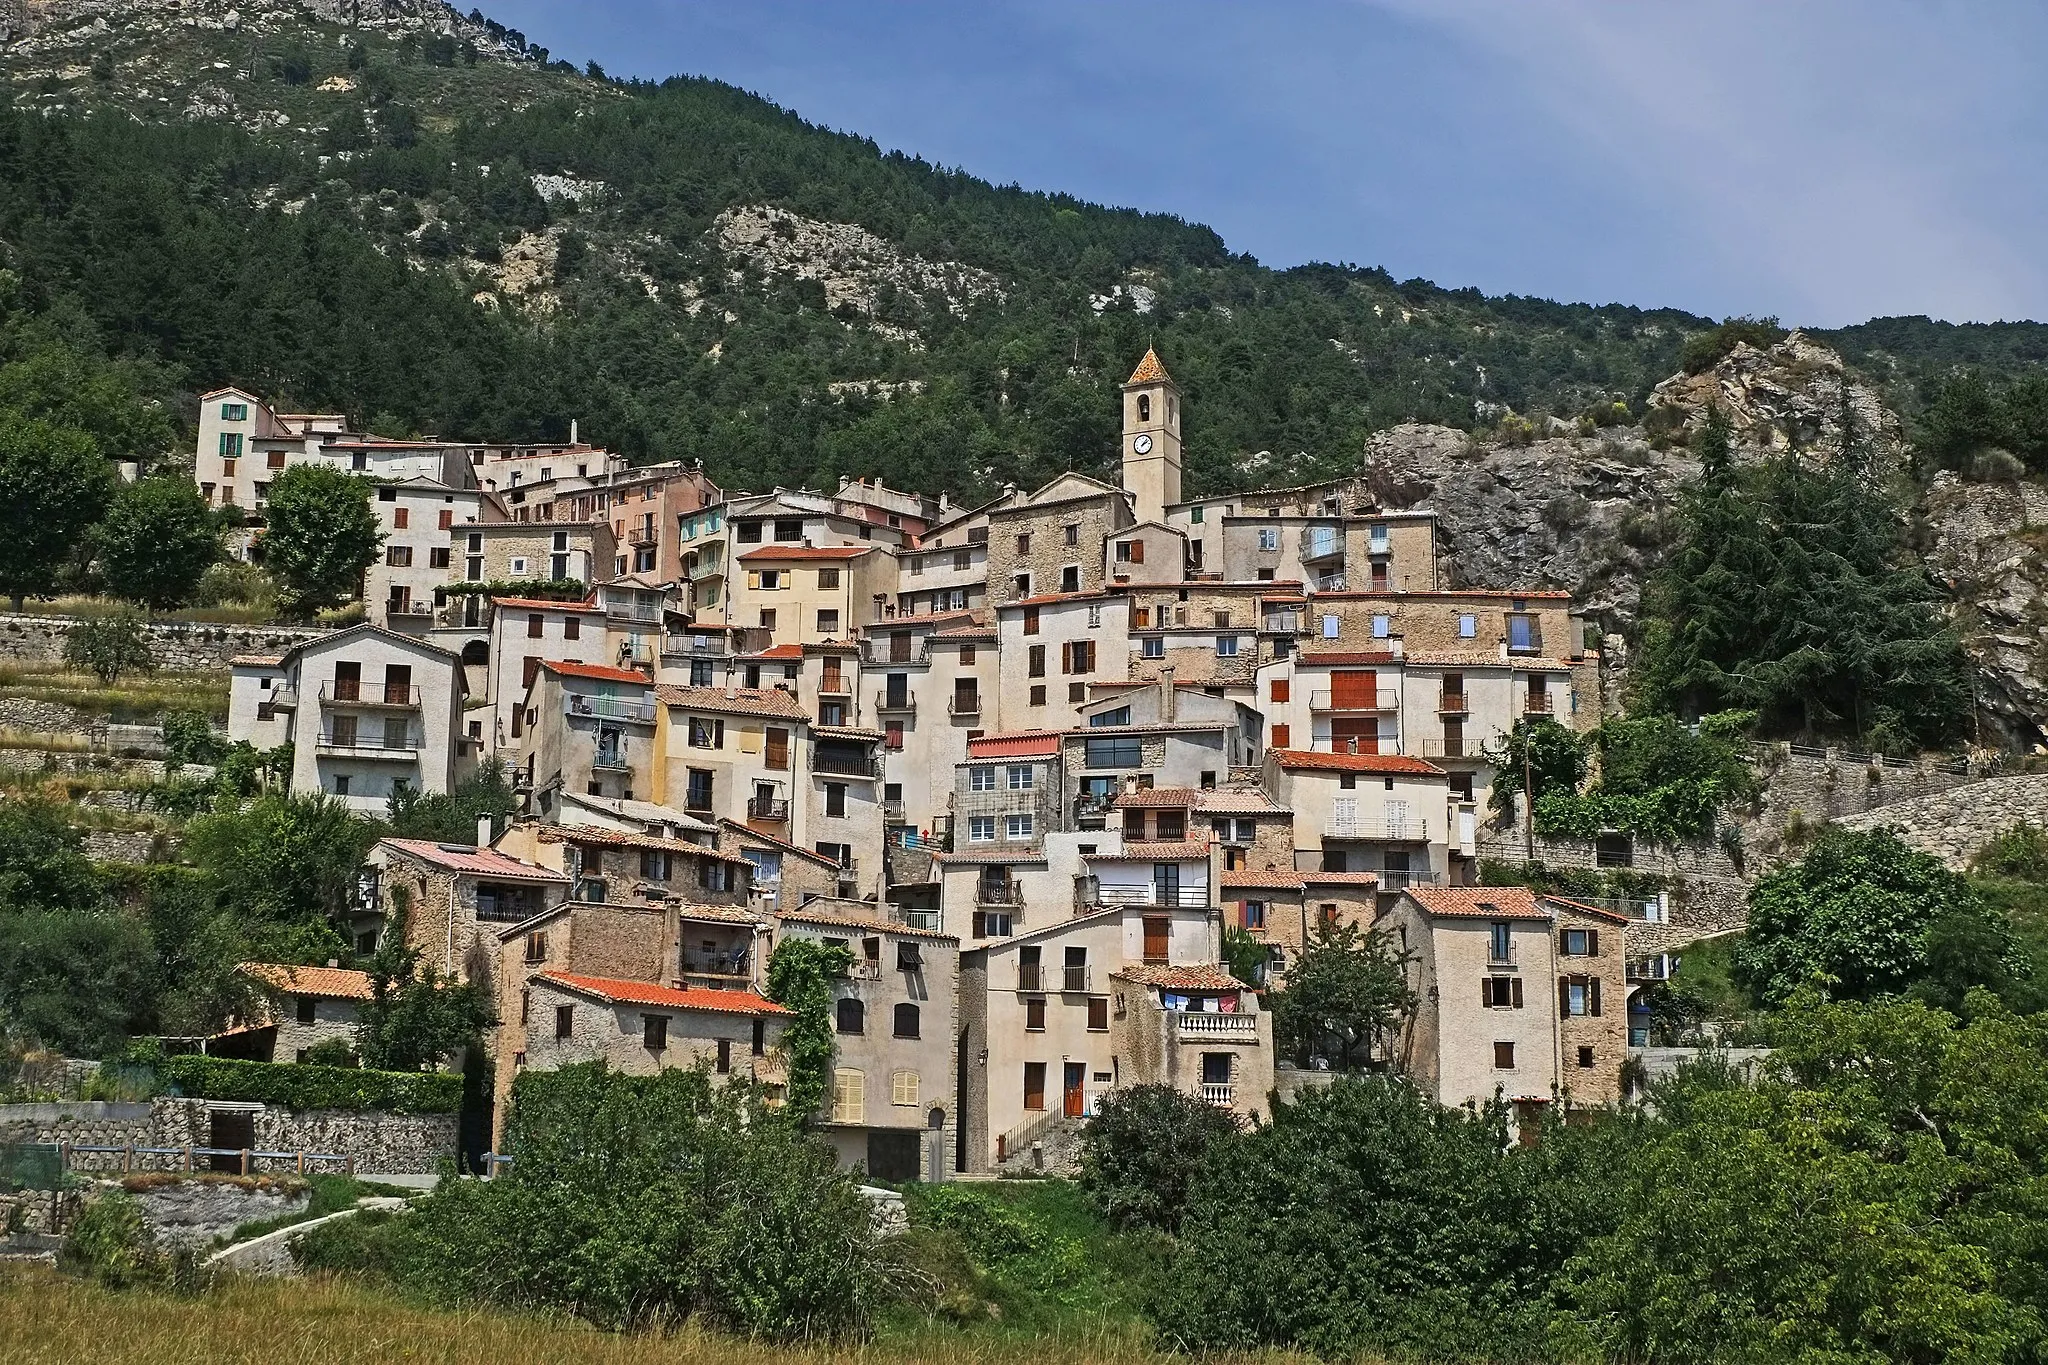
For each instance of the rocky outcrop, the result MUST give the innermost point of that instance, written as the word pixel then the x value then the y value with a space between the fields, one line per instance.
pixel 1985 542
pixel 1794 394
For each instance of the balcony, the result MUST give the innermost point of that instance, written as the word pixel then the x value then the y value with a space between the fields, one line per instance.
pixel 1451 704
pixel 1369 699
pixel 927 920
pixel 282 698
pixel 610 761
pixel 834 685
pixel 1450 748
pixel 387 749
pixel 1030 977
pixel 899 703
pixel 392 697
pixel 1398 879
pixel 1216 1028
pixel 637 711
pixel 1076 980
pixel 643 534
pixel 1221 1094
pixel 1536 704
pixel 892 811
pixel 733 964
pixel 409 608
pixel 1379 547
pixel 771 808
pixel 964 705
pixel 1321 542
pixel 1397 829
pixel 1168 897
pixel 1092 804
pixel 847 765
pixel 998 893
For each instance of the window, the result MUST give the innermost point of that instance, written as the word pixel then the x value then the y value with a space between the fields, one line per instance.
pixel 1037 697
pixel 398 556
pixel 767 618
pixel 1578 997
pixel 1122 751
pixel 789 528
pixel 967 654
pixel 707 734
pixel 1382 626
pixel 230 444
pixel 535 625
pixel 748 532
pixel 1468 626
pixel 981 829
pixel 654 864
pixel 1034 1015
pixel 1152 647
pixel 1195 514
pixel 1226 646
pixel 1017 826
pixel 1020 585
pixel 401 518
pixel 1581 942
pixel 835 800
pixel 1500 944
pixel 437 557
pixel 1283 736
pixel 828 621
pixel 1503 1056
pixel 849 1096
pixel 341 784
pixel 981 779
pixel 711 875
pixel 654 1032
pixel 724 1056
pixel 537 946
pixel 234 412
pixel 903 1087
pixel 1072 532
pixel 770 580
pixel 1254 915
pixel 1269 538
pixel 1524 635
pixel 308 1009
pixel 1501 992
pixel 1024 543
pixel 1118 715
pixel 1585 1057
pixel 1031 620
pixel 905 1021
pixel 1098 1014
pixel 565 1022
pixel 572 628
pixel 1130 551
pixel 828 578
pixel 851 1016
pixel 697 795
pixel 1280 689
pixel 1034 1085
pixel 1034 661
pixel 1021 778
pixel 1329 627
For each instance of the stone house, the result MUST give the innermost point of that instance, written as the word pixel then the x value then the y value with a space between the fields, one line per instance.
pixel 1163 736
pixel 306 1006
pixel 1049 542
pixel 1334 532
pixel 733 753
pixel 1590 946
pixel 928 676
pixel 454 899
pixel 1527 624
pixel 1210 635
pixel 1195 1028
pixel 622 867
pixel 1147 554
pixel 645 507
pixel 1280 908
pixel 803 594
pixel 891 1109
pixel 369 711
pixel 641 1028
pixel 407 582
pixel 1007 793
pixel 1052 650
pixel 1381 813
pixel 947 571
pixel 522 551
pixel 524 633
pixel 786 875
pixel 588 729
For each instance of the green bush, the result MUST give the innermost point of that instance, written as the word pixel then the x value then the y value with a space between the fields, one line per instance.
pixel 1142 1147
pixel 304 1086
pixel 1704 350
pixel 110 1243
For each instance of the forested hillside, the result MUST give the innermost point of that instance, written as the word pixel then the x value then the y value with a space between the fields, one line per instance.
pixel 422 220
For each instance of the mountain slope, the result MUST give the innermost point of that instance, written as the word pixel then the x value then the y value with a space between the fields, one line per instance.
pixel 384 207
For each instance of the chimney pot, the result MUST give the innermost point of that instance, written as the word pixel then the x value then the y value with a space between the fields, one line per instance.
pixel 334 962
pixel 483 831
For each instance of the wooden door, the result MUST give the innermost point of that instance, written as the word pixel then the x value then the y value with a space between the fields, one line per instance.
pixel 1354 689
pixel 1354 735
pixel 777 756
pixel 1034 1086
pixel 1158 934
pixel 1076 1097
pixel 398 683
pixel 348 680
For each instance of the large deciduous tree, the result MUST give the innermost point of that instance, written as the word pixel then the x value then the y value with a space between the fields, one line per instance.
pixel 157 539
pixel 319 535
pixel 54 484
pixel 1346 993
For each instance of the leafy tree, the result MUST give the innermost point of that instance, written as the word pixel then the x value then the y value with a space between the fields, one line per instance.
pixel 55 485
pixel 1854 916
pixel 416 1018
pixel 319 535
pixel 1704 350
pixel 157 540
pixel 1346 993
pixel 111 646
pixel 800 976
pixel 1963 419
pixel 2019 850
pixel 1553 755
pixel 288 864
pixel 197 942
pixel 59 381
pixel 78 982
pixel 1141 1148
pixel 451 818
pixel 1657 777
pixel 189 738
pixel 42 861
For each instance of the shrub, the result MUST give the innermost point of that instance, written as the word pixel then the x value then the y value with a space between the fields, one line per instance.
pixel 110 646
pixel 308 1086
pixel 112 1246
pixel 2020 850
pixel 1141 1148
pixel 1704 350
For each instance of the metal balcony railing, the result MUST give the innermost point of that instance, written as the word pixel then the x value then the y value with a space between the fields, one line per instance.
pixel 998 893
pixel 1393 879
pixel 767 808
pixel 1536 704
pixel 392 748
pixel 334 693
pixel 895 701
pixel 610 761
pixel 892 811
pixel 1321 542
pixel 1371 699
pixel 835 685
pixel 609 708
pixel 964 705
pixel 1409 828
pixel 1030 976
pixel 1451 704
pixel 1184 897
pixel 1075 980
pixel 846 765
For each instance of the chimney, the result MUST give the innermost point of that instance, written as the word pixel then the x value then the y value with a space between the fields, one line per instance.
pixel 572 432
pixel 483 831
pixel 1167 698
pixel 334 962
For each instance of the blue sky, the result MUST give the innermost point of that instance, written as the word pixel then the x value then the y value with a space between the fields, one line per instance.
pixel 1824 161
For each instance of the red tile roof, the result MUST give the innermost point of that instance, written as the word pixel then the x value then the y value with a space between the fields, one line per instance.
pixel 1478 902
pixel 780 652
pixel 1152 850
pixel 1354 763
pixel 615 991
pixel 1152 798
pixel 587 605
pixel 742 701
pixel 482 862
pixel 1603 912
pixel 802 915
pixel 329 983
pixel 1272 880
pixel 1203 978
pixel 1046 599
pixel 1484 594
pixel 568 668
pixel 619 838
pixel 1016 744
pixel 1343 658
pixel 1149 370
pixel 1241 803
pixel 256 661
pixel 748 832
pixel 1341 878
pixel 772 553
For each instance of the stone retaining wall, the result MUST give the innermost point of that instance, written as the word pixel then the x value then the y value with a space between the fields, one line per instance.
pixel 1835 786
pixel 179 645
pixel 381 1143
pixel 1954 824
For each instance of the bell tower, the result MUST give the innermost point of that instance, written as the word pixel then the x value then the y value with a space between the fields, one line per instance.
pixel 1151 440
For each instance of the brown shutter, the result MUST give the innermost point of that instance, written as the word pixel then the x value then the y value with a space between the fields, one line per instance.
pixel 1485 991
pixel 1137 552
pixel 1593 942
pixel 1593 995
pixel 1517 988
pixel 1564 997
pixel 980 924
pixel 1353 689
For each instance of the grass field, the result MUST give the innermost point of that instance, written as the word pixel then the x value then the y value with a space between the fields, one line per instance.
pixel 51 1319
pixel 137 699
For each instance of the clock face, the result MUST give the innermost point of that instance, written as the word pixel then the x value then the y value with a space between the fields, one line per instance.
pixel 1143 445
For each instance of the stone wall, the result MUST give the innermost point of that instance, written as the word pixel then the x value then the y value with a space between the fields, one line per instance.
pixel 1832 786
pixel 380 1143
pixel 1954 824
pixel 180 646
pixel 193 1212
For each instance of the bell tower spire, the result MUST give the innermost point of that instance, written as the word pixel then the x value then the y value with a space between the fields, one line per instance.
pixel 1151 439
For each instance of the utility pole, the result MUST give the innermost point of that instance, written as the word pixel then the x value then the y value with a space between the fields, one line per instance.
pixel 1528 800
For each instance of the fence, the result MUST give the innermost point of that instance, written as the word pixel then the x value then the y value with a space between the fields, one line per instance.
pixel 41 1165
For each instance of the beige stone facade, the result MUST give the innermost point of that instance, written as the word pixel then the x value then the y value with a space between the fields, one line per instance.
pixel 1050 541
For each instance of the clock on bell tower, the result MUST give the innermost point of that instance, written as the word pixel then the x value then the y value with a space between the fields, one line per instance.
pixel 1151 439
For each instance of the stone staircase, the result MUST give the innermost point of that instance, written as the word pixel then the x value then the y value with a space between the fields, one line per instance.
pixel 1048 1145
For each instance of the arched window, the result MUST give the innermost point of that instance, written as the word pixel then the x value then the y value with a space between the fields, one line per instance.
pixel 906 1021
pixel 853 1016
pixel 1144 407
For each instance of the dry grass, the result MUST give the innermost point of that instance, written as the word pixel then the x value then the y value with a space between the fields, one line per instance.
pixel 136 698
pixel 49 1319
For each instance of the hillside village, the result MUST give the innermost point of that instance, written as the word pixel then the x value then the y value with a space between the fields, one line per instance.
pixel 1031 760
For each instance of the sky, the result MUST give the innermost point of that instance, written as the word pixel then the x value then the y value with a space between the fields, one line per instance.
pixel 1823 161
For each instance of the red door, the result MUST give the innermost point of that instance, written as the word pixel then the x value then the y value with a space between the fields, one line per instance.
pixel 1077 1102
pixel 1354 689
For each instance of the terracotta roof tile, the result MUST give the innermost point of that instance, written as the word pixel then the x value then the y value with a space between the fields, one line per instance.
pixel 618 838
pixel 1152 850
pixel 1154 798
pixel 570 668
pixel 329 983
pixel 256 661
pixel 1016 744
pixel 749 832
pixel 1203 978
pixel 742 701
pixel 1241 803
pixel 769 554
pixel 1341 878
pixel 619 992
pixel 1305 759
pixel 1343 658
pixel 802 915
pixel 1273 880
pixel 587 606
pixel 1484 659
pixel 1603 912
pixel 780 652
pixel 1149 370
pixel 481 862
pixel 1478 902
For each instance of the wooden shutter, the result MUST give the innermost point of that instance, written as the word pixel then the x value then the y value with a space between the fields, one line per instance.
pixel 1593 943
pixel 777 756
pixel 1034 1085
pixel 1593 995
pixel 1564 997
pixel 1354 689
pixel 1281 735
pixel 1485 992
pixel 1137 552
pixel 1517 988
pixel 1280 689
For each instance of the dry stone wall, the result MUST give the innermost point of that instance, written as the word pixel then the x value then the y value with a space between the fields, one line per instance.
pixel 180 646
pixel 1953 825
pixel 380 1143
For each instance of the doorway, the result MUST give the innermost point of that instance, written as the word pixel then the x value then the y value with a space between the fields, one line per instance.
pixel 1076 1098
pixel 234 1130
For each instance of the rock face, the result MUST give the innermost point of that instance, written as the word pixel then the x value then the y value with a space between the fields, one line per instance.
pixel 1985 542
pixel 1794 394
